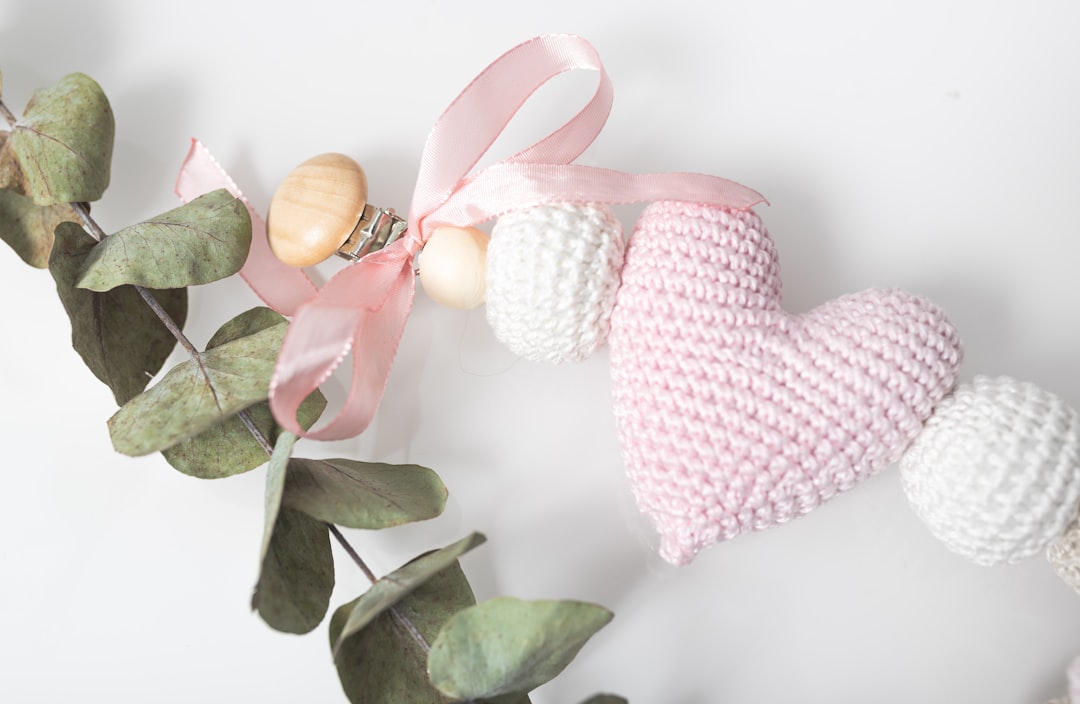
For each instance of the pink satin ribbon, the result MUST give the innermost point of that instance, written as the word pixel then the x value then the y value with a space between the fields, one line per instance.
pixel 280 286
pixel 363 308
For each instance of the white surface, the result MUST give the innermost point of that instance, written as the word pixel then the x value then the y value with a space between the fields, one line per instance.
pixel 928 145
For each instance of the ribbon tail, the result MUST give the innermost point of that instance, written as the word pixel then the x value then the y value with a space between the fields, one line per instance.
pixel 362 310
pixel 280 286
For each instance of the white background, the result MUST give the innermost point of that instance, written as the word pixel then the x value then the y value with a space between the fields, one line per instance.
pixel 932 145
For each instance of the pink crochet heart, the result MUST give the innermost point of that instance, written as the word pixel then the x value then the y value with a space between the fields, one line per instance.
pixel 735 415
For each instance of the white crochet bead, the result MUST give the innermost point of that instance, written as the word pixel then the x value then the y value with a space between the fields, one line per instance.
pixel 995 473
pixel 1064 557
pixel 552 274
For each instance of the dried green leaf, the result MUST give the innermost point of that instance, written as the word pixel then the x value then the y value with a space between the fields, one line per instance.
pixel 247 323
pixel 507 645
pixel 60 150
pixel 11 175
pixel 364 494
pixel 398 584
pixel 117 335
pixel 192 398
pixel 297 575
pixel 199 242
pixel 385 663
pixel 229 448
pixel 275 487
pixel 296 567
pixel 605 699
pixel 28 228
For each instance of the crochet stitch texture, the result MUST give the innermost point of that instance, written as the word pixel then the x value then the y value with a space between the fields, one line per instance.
pixel 552 274
pixel 735 415
pixel 994 474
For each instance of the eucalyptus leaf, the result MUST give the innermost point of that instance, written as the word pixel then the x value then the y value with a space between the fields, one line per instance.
pixel 605 699
pixel 297 575
pixel 192 398
pixel 398 584
pixel 28 228
pixel 60 150
pixel 296 566
pixel 247 323
pixel 275 487
pixel 363 494
pixel 229 448
pixel 117 335
pixel 199 242
pixel 507 645
pixel 385 662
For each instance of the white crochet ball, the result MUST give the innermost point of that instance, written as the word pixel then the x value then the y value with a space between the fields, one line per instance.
pixel 552 275
pixel 995 473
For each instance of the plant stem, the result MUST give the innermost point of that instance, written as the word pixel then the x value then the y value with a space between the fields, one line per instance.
pixel 334 531
pixel 411 628
pixel 83 211
pixel 7 114
pixel 96 231
pixel 401 618
pixel 245 417
pixel 173 328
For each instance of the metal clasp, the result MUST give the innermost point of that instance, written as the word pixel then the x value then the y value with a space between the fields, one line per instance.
pixel 377 228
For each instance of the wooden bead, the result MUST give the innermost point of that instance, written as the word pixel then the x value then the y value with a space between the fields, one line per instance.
pixel 453 266
pixel 315 209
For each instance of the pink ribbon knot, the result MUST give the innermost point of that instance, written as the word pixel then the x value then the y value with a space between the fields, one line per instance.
pixel 362 309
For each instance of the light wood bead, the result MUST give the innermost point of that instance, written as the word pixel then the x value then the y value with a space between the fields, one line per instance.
pixel 453 266
pixel 315 209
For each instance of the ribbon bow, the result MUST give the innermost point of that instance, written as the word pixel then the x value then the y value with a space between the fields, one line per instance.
pixel 363 308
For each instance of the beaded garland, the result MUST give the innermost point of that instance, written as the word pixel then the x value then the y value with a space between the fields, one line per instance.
pixel 734 415
pixel 737 416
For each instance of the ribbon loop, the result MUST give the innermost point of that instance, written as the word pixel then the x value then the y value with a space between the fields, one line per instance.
pixel 474 120
pixel 363 308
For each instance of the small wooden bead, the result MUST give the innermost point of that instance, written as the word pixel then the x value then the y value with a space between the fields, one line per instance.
pixel 453 266
pixel 315 209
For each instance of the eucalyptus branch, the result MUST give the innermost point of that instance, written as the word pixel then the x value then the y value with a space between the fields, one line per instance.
pixel 400 617
pixel 340 538
pixel 98 233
